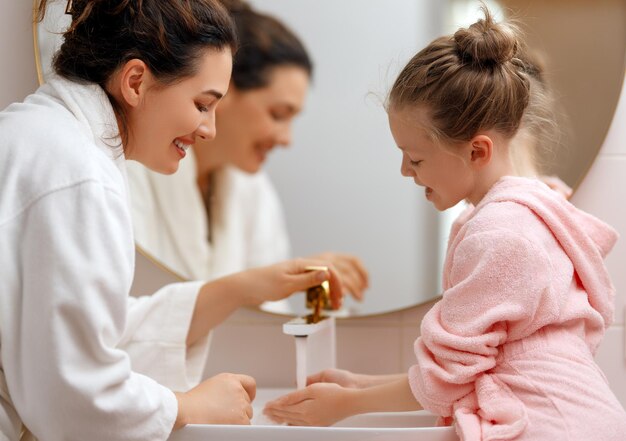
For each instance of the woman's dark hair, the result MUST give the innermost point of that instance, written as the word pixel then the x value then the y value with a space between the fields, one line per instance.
pixel 264 43
pixel 169 36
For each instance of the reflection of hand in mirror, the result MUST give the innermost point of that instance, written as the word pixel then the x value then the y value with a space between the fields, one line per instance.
pixel 352 273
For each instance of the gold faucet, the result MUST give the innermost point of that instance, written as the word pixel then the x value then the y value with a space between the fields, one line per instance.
pixel 318 297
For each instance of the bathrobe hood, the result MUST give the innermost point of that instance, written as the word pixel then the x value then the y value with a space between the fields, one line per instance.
pixel 585 239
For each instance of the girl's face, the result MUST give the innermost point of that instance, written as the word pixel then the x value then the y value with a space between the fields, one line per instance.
pixel 252 122
pixel 446 176
pixel 169 119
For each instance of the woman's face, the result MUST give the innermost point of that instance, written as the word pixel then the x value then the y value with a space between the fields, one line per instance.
pixel 251 123
pixel 169 119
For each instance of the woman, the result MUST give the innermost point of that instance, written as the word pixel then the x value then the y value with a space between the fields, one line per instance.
pixel 232 215
pixel 137 79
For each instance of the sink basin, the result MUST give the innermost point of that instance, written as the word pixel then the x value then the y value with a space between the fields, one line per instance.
pixel 396 426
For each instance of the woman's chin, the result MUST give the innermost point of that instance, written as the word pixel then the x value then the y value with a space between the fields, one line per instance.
pixel 164 169
pixel 250 167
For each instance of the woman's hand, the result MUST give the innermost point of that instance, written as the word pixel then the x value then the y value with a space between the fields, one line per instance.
pixel 321 404
pixel 222 399
pixel 352 273
pixel 276 282
pixel 221 297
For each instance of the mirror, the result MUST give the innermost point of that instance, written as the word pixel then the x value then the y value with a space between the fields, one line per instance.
pixel 339 182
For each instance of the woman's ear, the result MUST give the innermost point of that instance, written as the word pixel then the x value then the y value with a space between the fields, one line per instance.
pixel 481 150
pixel 133 80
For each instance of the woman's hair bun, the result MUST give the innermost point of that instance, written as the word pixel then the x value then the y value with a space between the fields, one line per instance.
pixel 487 42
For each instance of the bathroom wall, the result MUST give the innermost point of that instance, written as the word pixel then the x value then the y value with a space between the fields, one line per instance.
pixel 252 342
pixel 18 76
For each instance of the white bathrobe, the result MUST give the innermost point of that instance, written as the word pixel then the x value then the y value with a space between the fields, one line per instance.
pixel 66 259
pixel 170 220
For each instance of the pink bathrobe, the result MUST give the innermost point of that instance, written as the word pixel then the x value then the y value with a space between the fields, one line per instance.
pixel 508 350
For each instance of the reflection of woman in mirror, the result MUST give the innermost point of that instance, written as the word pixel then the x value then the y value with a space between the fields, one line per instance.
pixel 507 353
pixel 219 213
pixel 135 79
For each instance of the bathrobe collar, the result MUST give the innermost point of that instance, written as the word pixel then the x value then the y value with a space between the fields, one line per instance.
pixel 92 108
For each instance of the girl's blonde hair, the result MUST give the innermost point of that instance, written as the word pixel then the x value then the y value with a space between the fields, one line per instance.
pixel 476 79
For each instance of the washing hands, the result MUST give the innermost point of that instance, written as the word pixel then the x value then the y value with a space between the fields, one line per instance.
pixel 335 394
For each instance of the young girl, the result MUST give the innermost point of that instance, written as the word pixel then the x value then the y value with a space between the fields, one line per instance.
pixel 507 353
pixel 136 79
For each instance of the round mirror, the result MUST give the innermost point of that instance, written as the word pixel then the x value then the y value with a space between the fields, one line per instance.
pixel 339 182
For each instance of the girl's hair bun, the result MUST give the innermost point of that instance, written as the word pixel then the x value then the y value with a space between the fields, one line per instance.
pixel 487 42
pixel 236 6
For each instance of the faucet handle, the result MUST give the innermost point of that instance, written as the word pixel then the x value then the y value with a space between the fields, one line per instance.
pixel 318 297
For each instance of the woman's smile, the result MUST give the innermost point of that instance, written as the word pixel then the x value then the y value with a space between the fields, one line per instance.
pixel 181 147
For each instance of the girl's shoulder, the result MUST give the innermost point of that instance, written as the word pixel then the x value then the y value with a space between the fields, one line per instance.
pixel 504 217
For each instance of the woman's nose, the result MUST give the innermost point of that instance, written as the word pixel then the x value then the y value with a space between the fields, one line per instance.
pixel 206 129
pixel 283 136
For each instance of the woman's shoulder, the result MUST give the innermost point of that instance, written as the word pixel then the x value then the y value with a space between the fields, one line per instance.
pixel 43 148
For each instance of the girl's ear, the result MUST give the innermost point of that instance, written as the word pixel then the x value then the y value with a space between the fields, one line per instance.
pixel 134 79
pixel 481 150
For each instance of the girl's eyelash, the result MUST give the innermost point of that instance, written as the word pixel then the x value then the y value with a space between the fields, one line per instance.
pixel 416 162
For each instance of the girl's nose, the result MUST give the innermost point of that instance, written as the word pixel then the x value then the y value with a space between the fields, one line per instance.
pixel 405 168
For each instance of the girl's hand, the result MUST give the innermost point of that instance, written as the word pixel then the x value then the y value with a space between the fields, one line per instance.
pixel 352 273
pixel 340 377
pixel 321 404
pixel 352 380
pixel 222 399
pixel 276 282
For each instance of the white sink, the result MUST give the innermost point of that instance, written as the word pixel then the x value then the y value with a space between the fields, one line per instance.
pixel 397 426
